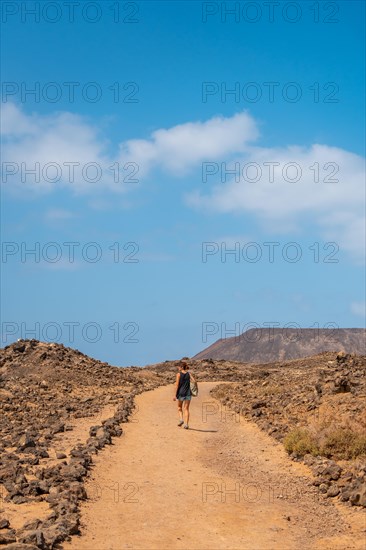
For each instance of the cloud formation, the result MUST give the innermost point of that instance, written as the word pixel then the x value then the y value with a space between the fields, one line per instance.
pixel 182 147
pixel 41 152
pixel 285 188
pixel 320 185
pixel 67 150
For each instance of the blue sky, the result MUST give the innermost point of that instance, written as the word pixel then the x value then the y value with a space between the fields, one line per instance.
pixel 147 163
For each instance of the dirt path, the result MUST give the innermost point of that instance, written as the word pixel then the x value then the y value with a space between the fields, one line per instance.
pixel 223 484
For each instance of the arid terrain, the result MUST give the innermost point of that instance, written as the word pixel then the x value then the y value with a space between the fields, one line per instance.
pixel 288 439
pixel 262 345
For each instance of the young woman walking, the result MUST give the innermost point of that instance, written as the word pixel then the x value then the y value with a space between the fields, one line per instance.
pixel 183 393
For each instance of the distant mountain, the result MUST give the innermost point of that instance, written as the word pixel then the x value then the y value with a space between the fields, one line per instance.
pixel 278 344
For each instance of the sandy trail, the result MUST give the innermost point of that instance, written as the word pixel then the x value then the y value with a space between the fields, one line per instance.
pixel 223 484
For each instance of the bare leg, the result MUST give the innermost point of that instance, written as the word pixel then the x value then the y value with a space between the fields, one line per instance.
pixel 186 404
pixel 180 411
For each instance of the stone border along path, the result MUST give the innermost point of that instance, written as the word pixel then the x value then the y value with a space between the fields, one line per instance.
pixel 41 528
pixel 223 484
pixel 61 443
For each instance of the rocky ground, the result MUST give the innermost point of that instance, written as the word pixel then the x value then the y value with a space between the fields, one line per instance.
pixel 316 407
pixel 48 392
pixel 44 390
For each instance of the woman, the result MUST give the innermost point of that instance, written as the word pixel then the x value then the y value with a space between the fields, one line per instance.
pixel 183 393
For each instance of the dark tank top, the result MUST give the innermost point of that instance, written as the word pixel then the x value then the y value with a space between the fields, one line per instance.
pixel 184 389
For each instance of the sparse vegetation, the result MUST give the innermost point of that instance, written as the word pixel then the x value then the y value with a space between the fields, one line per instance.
pixel 338 443
pixel 271 389
pixel 344 444
pixel 301 441
pixel 316 407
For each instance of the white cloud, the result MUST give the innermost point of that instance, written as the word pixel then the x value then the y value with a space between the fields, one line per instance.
pixel 15 123
pixel 63 138
pixel 359 309
pixel 269 191
pixel 283 195
pixel 335 209
pixel 184 146
pixel 48 144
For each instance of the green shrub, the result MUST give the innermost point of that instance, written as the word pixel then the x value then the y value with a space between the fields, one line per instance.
pixel 300 441
pixel 339 443
pixel 344 444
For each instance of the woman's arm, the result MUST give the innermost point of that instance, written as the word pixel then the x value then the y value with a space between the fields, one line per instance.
pixel 176 386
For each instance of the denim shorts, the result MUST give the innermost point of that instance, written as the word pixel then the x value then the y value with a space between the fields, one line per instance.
pixel 185 398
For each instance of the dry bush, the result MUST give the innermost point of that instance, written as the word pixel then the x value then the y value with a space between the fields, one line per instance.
pixel 328 438
pixel 301 441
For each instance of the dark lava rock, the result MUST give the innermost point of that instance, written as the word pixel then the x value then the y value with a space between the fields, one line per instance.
pixel 60 455
pixel 25 442
pixel 19 347
pixel 4 523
